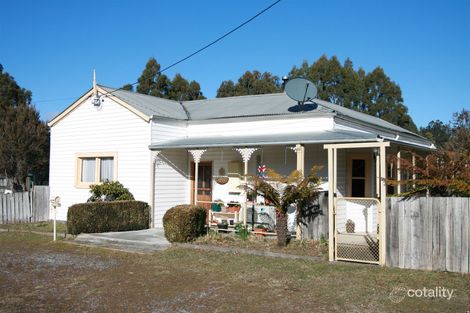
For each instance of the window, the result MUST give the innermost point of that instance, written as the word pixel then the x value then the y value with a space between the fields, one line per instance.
pixel 359 173
pixel 94 168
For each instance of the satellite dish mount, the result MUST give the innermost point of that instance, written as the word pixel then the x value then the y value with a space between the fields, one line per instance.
pixel 301 90
pixel 96 100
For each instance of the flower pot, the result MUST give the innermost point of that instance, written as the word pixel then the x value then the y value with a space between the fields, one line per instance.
pixel 233 209
pixel 222 226
pixel 260 232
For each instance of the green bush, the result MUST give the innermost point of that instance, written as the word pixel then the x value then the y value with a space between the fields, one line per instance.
pixel 99 217
pixel 184 223
pixel 109 191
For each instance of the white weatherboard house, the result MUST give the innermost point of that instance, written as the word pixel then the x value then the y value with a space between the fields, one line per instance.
pixel 151 145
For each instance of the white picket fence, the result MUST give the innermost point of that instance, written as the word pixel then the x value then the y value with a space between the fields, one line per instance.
pixel 25 207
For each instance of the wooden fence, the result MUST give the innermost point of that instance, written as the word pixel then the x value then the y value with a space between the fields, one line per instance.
pixel 422 233
pixel 429 233
pixel 316 224
pixel 25 207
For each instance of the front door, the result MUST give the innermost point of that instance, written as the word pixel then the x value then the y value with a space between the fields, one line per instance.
pixel 204 184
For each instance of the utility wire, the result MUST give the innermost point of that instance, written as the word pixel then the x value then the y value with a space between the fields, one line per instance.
pixel 208 45
pixel 192 54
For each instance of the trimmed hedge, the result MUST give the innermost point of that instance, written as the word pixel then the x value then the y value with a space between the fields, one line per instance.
pixel 99 217
pixel 184 223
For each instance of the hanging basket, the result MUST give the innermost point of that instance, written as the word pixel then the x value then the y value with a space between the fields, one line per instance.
pixel 221 180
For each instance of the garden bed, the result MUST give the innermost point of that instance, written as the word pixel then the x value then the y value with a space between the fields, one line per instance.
pixel 263 243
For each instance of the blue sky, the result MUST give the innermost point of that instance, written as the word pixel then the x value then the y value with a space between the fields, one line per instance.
pixel 51 47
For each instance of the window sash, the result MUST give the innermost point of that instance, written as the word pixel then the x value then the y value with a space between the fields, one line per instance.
pixel 88 170
pixel 95 168
pixel 106 169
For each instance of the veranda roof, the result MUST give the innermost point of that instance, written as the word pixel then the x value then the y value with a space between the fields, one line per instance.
pixel 329 136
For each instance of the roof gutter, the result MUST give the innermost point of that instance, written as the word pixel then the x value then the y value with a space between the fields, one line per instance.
pixel 409 143
pixel 256 144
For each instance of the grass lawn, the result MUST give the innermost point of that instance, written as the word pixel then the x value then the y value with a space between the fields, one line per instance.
pixel 46 227
pixel 37 275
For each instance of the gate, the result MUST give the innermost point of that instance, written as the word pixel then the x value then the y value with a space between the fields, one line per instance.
pixel 357 230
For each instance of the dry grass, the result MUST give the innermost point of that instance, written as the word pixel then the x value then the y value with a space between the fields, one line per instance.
pixel 264 243
pixel 37 275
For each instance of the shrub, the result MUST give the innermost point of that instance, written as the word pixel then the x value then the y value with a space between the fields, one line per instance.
pixel 109 191
pixel 184 223
pixel 99 217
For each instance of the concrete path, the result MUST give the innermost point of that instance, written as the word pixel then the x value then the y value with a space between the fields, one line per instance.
pixel 146 241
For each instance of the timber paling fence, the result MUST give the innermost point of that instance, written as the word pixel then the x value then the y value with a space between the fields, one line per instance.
pixel 25 207
pixel 430 233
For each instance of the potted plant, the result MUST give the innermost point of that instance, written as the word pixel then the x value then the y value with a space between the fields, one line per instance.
pixel 233 206
pixel 223 225
pixel 350 226
pixel 260 230
pixel 217 205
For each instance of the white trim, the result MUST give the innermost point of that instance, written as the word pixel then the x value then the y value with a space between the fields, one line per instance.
pixel 97 156
pixel 103 92
pixel 357 145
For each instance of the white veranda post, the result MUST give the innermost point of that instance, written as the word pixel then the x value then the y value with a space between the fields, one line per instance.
pixel 246 155
pixel 153 160
pixel 197 154
pixel 300 154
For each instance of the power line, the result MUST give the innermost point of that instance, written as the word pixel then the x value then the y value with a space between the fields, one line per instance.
pixel 208 45
pixel 192 54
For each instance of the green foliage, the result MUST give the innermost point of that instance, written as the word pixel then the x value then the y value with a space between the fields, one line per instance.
pixel 184 223
pixel 109 191
pixel 373 93
pixel 283 191
pixel 98 217
pixel 437 132
pixel 11 94
pixel 242 231
pixel 153 83
pixel 250 83
pixel 24 140
pixel 128 87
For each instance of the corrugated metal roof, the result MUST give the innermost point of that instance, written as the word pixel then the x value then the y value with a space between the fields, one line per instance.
pixel 242 106
pixel 150 105
pixel 249 106
pixel 360 116
pixel 337 135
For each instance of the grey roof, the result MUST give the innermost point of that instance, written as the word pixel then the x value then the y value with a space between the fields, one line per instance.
pixel 278 104
pixel 150 105
pixel 361 116
pixel 243 106
pixel 337 135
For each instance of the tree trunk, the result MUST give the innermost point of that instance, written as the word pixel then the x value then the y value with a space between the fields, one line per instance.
pixel 281 228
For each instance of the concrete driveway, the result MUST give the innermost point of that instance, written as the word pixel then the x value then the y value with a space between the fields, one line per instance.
pixel 147 240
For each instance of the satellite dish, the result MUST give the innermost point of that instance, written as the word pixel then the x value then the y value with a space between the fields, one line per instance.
pixel 300 89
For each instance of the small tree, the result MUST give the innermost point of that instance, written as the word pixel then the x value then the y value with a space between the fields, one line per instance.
pixel 109 191
pixel 283 191
pixel 443 173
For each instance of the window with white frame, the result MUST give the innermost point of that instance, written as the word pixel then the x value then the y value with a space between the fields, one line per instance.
pixel 95 168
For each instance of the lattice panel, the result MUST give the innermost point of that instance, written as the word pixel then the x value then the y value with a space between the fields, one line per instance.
pixel 357 229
